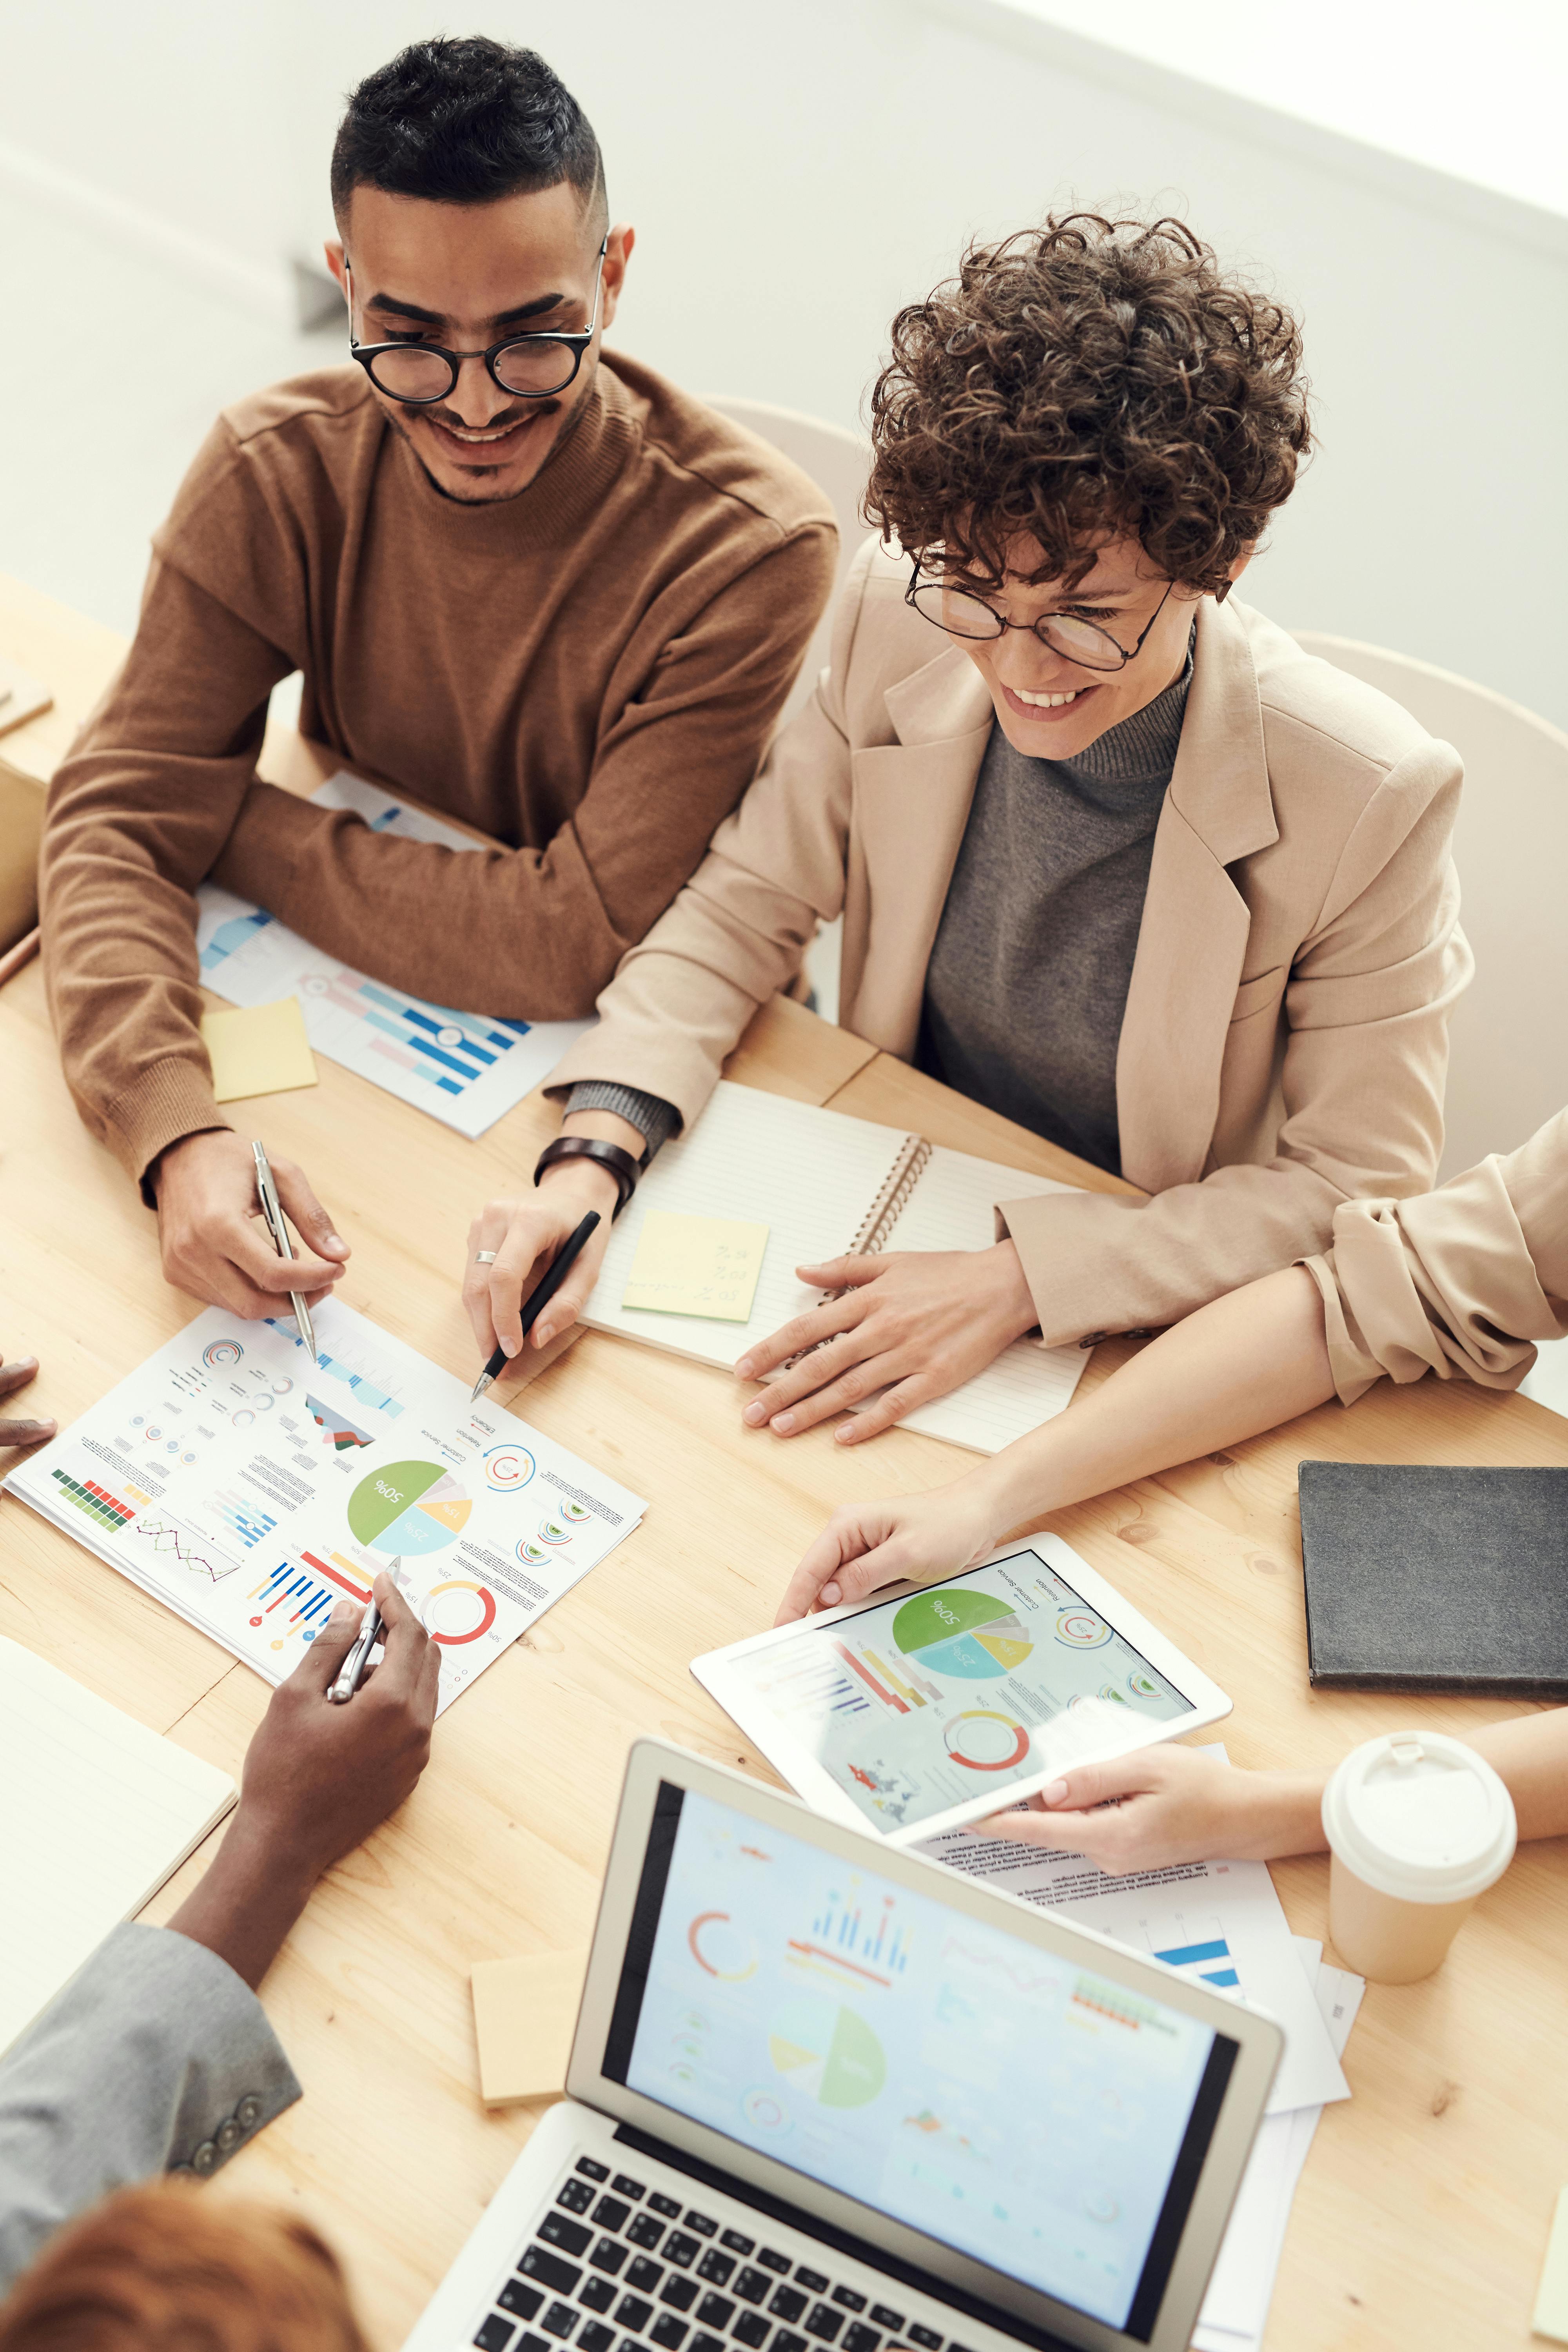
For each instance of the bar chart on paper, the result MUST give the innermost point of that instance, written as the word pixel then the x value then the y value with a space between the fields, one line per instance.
pixel 465 1069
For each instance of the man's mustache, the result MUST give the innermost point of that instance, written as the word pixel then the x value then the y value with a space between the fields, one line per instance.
pixel 496 424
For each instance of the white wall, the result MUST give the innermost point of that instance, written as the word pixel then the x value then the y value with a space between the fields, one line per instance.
pixel 795 175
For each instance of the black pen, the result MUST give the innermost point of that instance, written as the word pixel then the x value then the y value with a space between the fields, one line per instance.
pixel 538 1299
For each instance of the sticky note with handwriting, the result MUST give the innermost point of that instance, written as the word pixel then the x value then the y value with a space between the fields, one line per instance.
pixel 696 1265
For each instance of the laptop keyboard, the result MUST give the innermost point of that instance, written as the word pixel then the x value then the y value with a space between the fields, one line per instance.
pixel 614 2267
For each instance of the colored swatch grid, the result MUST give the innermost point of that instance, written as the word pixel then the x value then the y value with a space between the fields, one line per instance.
pixel 95 1500
pixel 429 1041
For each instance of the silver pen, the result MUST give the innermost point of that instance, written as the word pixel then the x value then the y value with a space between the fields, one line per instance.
pixel 350 1674
pixel 272 1209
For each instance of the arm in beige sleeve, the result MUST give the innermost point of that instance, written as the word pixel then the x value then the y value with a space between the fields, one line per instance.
pixel 137 815
pixel 1459 1282
pixel 535 933
pixel 739 930
pixel 1368 1005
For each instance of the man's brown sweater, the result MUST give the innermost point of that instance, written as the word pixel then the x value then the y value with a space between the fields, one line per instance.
pixel 588 672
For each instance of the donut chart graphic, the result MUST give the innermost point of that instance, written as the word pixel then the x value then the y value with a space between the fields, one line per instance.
pixel 973 1636
pixel 411 1507
pixel 1141 1684
pixel 218 1354
pixel 508 1467
pixel 532 1555
pixel 439 1613
pixel 984 1741
pixel 720 1949
pixel 1080 1629
pixel 551 1531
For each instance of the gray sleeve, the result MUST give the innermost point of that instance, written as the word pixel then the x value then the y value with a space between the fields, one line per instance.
pixel 156 2057
pixel 653 1118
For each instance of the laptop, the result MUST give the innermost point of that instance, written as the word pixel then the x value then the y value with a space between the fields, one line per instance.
pixel 825 2096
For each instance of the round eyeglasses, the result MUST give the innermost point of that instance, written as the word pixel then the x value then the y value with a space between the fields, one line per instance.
pixel 960 614
pixel 531 367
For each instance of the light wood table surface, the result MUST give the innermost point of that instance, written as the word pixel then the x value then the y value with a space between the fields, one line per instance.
pixel 1423 2212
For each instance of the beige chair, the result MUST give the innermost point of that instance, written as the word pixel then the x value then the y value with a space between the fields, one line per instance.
pixel 1509 1070
pixel 838 462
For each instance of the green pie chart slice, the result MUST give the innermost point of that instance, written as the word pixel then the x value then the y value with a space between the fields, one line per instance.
pixel 387 1494
pixel 932 1617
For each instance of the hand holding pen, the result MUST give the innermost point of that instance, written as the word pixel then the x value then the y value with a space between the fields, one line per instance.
pixel 540 1297
pixel 276 1225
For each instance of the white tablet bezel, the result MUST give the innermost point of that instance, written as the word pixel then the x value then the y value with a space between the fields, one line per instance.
pixel 1038 2316
pixel 807 1776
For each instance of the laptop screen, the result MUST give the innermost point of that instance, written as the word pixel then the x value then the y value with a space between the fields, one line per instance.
pixel 1002 2099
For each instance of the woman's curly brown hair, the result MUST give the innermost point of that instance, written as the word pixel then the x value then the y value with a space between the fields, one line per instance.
pixel 1093 378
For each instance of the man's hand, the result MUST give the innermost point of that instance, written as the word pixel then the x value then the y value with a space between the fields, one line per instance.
pixel 916 1537
pixel 525 1236
pixel 915 1323
pixel 215 1239
pixel 18 1430
pixel 1167 1805
pixel 318 1779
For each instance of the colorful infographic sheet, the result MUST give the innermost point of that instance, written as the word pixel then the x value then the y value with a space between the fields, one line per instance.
pixel 462 1067
pixel 917 1705
pixel 250 1489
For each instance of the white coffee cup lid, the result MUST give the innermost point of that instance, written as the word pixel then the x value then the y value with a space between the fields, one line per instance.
pixel 1420 1817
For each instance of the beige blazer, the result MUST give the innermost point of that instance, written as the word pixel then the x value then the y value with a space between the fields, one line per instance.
pixel 1285 1041
pixel 1459 1282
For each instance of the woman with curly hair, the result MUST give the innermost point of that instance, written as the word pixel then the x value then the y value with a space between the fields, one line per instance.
pixel 1115 857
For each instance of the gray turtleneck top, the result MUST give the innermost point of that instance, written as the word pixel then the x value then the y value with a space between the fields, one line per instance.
pixel 1028 977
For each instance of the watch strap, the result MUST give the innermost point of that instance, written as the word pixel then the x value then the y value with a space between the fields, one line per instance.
pixel 620 1161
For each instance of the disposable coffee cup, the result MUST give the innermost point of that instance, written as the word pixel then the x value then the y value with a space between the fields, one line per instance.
pixel 1419 1825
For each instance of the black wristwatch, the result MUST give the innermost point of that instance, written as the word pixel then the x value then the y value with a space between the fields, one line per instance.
pixel 620 1163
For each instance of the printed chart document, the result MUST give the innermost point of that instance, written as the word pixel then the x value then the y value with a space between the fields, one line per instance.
pixel 1218 1922
pixel 462 1067
pixel 824 1184
pixel 1235 2308
pixel 250 1489
pixel 98 1813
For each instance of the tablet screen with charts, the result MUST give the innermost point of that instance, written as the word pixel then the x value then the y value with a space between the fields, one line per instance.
pixel 937 1707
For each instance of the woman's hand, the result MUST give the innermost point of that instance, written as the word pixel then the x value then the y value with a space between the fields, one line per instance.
pixel 525 1236
pixel 916 1537
pixel 1166 1805
pixel 916 1323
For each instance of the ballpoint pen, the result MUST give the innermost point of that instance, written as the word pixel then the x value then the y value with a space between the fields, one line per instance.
pixel 272 1209
pixel 350 1674
pixel 539 1298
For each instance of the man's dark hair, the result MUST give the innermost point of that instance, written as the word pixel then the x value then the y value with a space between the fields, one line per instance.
pixel 1088 378
pixel 466 122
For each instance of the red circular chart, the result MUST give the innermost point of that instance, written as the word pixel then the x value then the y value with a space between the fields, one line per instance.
pixel 984 1741
pixel 486 1599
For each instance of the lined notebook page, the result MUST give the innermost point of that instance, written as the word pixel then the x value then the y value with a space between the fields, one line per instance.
pixel 98 1811
pixel 953 1207
pixel 808 1175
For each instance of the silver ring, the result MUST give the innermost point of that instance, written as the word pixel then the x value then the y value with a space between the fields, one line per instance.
pixel 484 1257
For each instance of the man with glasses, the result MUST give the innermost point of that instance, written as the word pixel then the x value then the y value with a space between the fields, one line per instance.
pixel 1114 857
pixel 526 580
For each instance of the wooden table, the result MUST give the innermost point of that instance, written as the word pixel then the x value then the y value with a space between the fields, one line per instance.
pixel 1423 2212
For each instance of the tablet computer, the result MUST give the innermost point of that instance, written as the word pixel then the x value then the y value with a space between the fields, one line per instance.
pixel 941 1703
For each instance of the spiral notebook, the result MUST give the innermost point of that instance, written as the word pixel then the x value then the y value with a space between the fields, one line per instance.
pixel 824 1184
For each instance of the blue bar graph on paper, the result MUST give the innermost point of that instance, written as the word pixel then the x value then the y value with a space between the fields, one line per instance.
pixel 1211 1960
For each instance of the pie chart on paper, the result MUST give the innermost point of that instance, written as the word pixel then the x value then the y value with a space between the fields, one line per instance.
pixel 410 1507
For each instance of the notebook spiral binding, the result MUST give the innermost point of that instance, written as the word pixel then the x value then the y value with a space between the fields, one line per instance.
pixel 883 1213
pixel 880 1219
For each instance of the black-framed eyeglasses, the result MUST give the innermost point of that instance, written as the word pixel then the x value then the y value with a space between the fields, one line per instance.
pixel 530 366
pixel 960 615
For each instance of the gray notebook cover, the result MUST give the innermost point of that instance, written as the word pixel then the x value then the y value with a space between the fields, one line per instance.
pixel 1436 1580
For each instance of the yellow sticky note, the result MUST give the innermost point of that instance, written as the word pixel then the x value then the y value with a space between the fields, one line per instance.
pixel 696 1265
pixel 1552 2296
pixel 525 2013
pixel 258 1049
